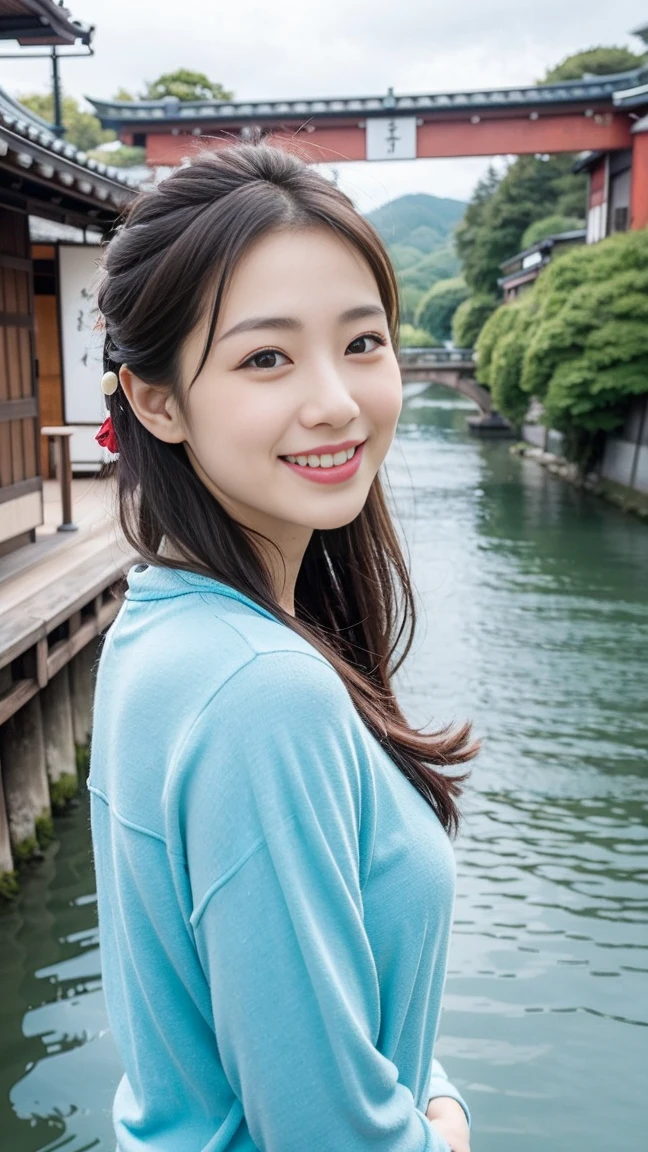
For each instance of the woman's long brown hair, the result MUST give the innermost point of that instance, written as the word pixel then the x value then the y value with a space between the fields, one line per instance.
pixel 170 260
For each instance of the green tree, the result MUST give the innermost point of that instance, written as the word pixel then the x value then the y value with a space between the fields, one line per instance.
pixel 549 226
pixel 502 210
pixel 593 62
pixel 578 341
pixel 409 300
pixel 471 233
pixel 506 366
pixel 124 157
pixel 81 128
pixel 411 337
pixel 469 319
pixel 588 353
pixel 403 256
pixel 438 305
pixel 440 265
pixel 495 328
pixel 185 85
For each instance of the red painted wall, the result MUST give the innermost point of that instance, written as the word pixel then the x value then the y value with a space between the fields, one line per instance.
pixel 167 149
pixel 490 137
pixel 518 137
pixel 324 144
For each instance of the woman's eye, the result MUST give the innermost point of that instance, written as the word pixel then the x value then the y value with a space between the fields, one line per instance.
pixel 268 358
pixel 366 344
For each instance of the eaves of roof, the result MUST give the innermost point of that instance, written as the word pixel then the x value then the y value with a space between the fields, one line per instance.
pixel 30 143
pixel 523 276
pixel 545 245
pixel 116 113
pixel 41 22
pixel 635 97
pixel 586 160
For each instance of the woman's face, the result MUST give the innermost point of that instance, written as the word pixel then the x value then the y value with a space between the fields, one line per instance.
pixel 301 376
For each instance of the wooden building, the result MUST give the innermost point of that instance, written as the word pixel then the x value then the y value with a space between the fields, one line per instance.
pixel 42 177
pixel 617 197
pixel 609 192
pixel 522 270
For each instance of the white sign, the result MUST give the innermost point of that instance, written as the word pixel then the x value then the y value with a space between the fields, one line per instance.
pixel 531 260
pixel 391 138
pixel 81 352
pixel 81 342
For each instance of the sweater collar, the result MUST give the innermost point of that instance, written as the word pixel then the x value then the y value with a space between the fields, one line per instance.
pixel 154 582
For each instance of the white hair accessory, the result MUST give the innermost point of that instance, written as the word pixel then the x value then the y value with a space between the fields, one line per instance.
pixel 109 383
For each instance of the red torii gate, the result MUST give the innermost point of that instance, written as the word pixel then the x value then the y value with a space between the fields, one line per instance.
pixel 600 114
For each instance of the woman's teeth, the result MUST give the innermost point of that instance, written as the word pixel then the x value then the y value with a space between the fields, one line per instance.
pixel 325 461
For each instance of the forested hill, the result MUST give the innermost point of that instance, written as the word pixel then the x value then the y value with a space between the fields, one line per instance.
pixel 418 230
pixel 418 221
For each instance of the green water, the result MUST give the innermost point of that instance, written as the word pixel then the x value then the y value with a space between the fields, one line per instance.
pixel 534 621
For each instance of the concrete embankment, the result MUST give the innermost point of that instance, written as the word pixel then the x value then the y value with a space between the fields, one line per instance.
pixel 623 497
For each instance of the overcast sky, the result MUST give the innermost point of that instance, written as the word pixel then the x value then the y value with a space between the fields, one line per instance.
pixel 310 48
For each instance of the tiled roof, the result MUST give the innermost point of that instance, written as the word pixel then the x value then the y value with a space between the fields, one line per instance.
pixel 574 235
pixel 631 97
pixel 33 144
pixel 41 22
pixel 116 113
pixel 586 159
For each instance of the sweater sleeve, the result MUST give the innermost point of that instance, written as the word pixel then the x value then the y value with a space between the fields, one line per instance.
pixel 280 932
pixel 440 1086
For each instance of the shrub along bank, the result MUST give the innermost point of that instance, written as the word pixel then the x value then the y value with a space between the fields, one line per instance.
pixel 577 341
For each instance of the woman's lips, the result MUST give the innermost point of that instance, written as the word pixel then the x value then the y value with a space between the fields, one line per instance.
pixel 337 474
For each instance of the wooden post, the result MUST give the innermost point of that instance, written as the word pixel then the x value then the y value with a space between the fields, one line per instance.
pixel 22 754
pixel 82 679
pixel 6 858
pixel 58 733
pixel 62 438
pixel 8 885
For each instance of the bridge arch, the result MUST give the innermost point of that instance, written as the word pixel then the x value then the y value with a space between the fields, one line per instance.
pixel 454 368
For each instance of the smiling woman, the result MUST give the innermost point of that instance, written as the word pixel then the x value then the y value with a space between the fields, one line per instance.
pixel 250 404
pixel 274 871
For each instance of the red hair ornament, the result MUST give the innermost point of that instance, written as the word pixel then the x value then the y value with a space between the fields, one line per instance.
pixel 106 434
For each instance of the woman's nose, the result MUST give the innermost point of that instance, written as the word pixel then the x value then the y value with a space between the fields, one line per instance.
pixel 329 400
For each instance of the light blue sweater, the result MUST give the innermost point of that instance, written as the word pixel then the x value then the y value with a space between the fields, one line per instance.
pixel 275 898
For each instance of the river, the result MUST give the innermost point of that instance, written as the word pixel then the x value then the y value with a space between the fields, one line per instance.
pixel 533 603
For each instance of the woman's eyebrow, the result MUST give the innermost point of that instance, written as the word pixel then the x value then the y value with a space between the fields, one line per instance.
pixel 287 323
pixel 290 324
pixel 363 312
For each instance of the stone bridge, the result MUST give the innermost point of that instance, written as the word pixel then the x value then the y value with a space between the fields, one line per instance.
pixel 454 368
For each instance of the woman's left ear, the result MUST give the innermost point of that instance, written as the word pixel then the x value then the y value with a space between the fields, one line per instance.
pixel 153 406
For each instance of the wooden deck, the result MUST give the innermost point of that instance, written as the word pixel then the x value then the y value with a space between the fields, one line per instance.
pixel 33 567
pixel 55 594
